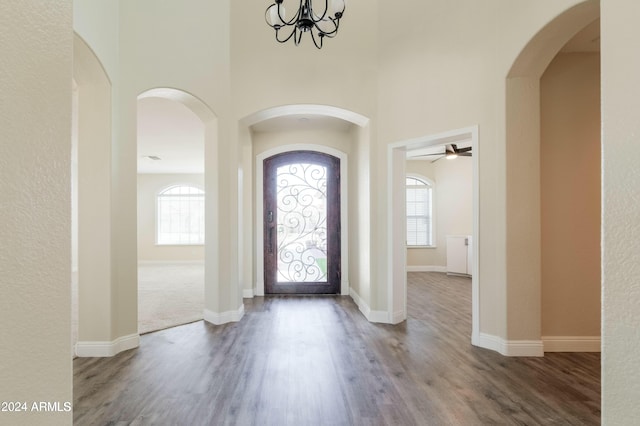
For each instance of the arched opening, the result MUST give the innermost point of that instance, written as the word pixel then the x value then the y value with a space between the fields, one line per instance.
pixel 331 130
pixel 523 178
pixel 92 207
pixel 260 197
pixel 570 175
pixel 172 138
pixel 302 223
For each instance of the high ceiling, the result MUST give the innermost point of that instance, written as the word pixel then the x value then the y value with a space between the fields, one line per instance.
pixel 168 130
pixel 171 132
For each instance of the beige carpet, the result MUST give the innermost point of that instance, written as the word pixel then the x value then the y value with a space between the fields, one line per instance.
pixel 169 294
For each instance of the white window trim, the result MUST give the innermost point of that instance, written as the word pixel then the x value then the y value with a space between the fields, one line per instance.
pixel 434 233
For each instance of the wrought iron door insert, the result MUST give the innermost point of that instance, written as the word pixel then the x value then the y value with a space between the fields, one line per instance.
pixel 302 223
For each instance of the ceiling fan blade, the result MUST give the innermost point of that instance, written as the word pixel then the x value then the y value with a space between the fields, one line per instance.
pixel 464 154
pixel 438 158
pixel 467 149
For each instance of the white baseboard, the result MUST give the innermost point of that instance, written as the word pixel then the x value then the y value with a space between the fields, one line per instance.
pixel 426 268
pixel 247 293
pixel 107 349
pixel 488 341
pixel 219 318
pixel 371 316
pixel 398 317
pixel 511 347
pixel 524 348
pixel 571 343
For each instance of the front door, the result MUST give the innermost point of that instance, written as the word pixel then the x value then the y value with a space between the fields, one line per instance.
pixel 302 223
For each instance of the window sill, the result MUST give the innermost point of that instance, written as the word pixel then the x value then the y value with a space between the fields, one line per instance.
pixel 422 247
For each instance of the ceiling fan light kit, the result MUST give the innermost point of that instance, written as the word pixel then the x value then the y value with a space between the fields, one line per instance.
pixel 320 23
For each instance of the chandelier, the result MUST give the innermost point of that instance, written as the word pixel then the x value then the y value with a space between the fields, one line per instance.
pixel 305 20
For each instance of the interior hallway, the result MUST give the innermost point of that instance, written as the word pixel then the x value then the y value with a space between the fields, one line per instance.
pixel 317 360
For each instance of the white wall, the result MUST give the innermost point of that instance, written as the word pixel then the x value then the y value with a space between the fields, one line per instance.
pixel 444 68
pixel 343 74
pixel 453 203
pixel 621 209
pixel 149 186
pixel 36 42
pixel 184 46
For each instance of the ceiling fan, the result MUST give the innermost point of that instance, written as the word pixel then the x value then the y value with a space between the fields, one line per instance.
pixel 451 151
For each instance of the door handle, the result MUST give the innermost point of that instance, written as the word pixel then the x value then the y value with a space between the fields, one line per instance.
pixel 270 231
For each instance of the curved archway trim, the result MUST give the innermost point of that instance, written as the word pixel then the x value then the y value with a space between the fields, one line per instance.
pixel 312 109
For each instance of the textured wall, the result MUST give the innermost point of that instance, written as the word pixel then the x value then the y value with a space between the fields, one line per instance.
pixel 35 216
pixel 621 209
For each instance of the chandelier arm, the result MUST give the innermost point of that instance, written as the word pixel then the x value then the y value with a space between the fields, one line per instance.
pixel 296 40
pixel 266 14
pixel 337 24
pixel 284 23
pixel 313 37
pixel 293 20
pixel 331 33
pixel 288 37
pixel 304 20
pixel 326 10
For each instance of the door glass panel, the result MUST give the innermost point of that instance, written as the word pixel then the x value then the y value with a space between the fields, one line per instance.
pixel 302 223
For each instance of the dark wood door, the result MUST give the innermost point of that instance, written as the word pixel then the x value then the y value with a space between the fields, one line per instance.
pixel 302 223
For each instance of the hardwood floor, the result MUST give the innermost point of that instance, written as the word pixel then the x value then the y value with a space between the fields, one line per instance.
pixel 317 361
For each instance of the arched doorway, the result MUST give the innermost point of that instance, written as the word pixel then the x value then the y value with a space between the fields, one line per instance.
pixel 350 132
pixel 523 225
pixel 92 146
pixel 173 135
pixel 302 223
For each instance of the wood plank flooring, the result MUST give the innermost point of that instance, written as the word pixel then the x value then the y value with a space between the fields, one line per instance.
pixel 317 361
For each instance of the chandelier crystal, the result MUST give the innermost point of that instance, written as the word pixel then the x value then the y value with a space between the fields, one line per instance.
pixel 320 24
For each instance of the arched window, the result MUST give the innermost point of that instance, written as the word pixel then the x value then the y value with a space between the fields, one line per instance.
pixel 180 216
pixel 419 212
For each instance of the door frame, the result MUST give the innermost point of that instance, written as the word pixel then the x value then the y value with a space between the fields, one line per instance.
pixel 258 216
pixel 396 225
pixel 271 191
